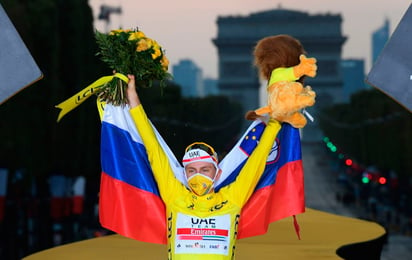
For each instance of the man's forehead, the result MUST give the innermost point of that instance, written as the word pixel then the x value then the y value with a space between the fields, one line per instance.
pixel 200 165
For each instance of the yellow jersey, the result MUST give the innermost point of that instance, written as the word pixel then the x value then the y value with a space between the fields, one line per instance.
pixel 202 227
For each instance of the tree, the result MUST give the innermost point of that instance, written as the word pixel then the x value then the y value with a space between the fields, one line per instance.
pixel 60 36
pixel 374 129
pixel 181 121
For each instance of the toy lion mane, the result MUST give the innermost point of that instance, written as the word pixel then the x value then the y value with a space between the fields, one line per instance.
pixel 282 61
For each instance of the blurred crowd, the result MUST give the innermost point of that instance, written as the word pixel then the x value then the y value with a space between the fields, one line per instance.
pixel 36 214
pixel 376 195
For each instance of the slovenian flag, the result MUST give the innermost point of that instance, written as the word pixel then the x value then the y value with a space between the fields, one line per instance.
pixel 130 203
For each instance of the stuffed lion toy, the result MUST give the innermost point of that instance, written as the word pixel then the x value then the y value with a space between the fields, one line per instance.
pixel 282 62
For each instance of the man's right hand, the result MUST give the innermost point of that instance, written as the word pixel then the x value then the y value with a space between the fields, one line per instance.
pixel 132 97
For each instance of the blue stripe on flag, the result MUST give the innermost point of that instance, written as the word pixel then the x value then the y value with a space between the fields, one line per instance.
pixel 124 159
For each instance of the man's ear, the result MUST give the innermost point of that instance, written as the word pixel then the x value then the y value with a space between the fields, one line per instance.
pixel 219 172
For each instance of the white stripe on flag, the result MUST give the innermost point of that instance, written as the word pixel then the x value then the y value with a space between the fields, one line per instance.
pixel 120 117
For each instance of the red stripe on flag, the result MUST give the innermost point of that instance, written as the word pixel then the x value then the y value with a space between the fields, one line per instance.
pixel 282 199
pixel 131 212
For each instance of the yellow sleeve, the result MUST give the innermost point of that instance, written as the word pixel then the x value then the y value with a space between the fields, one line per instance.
pixel 282 74
pixel 244 185
pixel 162 171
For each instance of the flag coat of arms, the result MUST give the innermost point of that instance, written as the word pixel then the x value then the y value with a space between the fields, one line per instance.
pixel 130 202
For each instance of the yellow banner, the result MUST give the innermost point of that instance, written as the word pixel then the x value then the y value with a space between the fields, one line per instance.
pixel 100 107
pixel 71 103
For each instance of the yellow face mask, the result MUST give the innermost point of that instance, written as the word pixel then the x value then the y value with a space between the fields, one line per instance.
pixel 200 184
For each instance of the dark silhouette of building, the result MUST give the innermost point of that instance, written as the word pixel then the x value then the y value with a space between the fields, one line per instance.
pixel 210 87
pixel 379 38
pixel 353 72
pixel 189 76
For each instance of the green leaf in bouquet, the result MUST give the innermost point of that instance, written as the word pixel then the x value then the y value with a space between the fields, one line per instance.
pixel 131 52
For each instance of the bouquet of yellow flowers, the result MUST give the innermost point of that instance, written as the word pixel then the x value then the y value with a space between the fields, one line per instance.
pixel 126 52
pixel 130 52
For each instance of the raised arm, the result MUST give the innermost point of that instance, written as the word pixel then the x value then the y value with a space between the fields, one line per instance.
pixel 132 96
pixel 165 178
pixel 244 185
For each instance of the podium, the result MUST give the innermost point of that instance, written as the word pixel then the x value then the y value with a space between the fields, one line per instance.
pixel 323 236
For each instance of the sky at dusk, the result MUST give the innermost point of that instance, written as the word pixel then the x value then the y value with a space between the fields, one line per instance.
pixel 185 28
